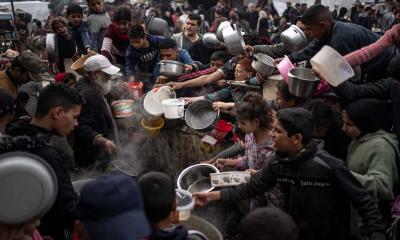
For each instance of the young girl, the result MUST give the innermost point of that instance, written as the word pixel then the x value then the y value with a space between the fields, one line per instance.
pixel 116 39
pixel 255 118
pixel 244 74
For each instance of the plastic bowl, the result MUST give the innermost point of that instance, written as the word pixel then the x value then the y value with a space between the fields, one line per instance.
pixel 185 204
pixel 284 67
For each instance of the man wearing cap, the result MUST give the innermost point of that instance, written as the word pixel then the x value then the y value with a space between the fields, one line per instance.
pixel 24 67
pixel 7 108
pixel 111 208
pixel 96 135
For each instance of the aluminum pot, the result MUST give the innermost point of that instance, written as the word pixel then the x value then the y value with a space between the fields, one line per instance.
pixel 221 27
pixel 196 178
pixel 157 26
pixel 196 223
pixel 28 187
pixel 51 46
pixel 234 41
pixel 294 39
pixel 210 40
pixel 302 82
pixel 171 69
pixel 201 116
pixel 263 64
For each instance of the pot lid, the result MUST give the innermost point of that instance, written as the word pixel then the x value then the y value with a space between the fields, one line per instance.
pixel 28 187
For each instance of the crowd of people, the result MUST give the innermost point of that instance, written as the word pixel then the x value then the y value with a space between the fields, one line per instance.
pixel 322 167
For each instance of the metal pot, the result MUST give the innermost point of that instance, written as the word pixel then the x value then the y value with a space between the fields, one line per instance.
pixel 196 178
pixel 28 187
pixel 221 27
pixel 157 26
pixel 234 41
pixel 294 39
pixel 171 69
pixel 196 223
pixel 302 82
pixel 210 40
pixel 263 64
pixel 201 116
pixel 51 46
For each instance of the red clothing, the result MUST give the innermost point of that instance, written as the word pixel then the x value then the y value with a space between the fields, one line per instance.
pixel 115 45
pixel 196 74
pixel 365 54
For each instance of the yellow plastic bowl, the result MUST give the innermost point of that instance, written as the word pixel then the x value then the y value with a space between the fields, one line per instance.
pixel 153 127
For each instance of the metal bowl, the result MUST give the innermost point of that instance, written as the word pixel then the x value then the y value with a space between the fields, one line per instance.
pixel 201 116
pixel 28 187
pixel 171 69
pixel 210 40
pixel 234 41
pixel 157 26
pixel 221 27
pixel 302 82
pixel 294 39
pixel 196 178
pixel 263 64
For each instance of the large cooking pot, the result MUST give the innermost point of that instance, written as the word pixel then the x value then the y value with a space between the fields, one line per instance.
pixel 28 187
pixel 157 26
pixel 294 39
pixel 210 40
pixel 51 46
pixel 171 69
pixel 234 41
pixel 263 64
pixel 302 82
pixel 196 178
pixel 221 27
pixel 201 116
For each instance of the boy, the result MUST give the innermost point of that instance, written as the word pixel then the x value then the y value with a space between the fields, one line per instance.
pixel 318 187
pixel 98 21
pixel 78 29
pixel 57 112
pixel 142 54
pixel 116 40
pixel 160 209
pixel 66 45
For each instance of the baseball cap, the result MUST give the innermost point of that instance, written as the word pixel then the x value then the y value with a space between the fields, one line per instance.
pixel 111 207
pixel 32 63
pixel 6 102
pixel 100 62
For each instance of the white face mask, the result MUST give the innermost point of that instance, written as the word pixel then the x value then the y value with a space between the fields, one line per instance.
pixel 104 84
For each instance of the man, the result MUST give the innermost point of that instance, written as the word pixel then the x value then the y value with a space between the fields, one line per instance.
pixel 57 113
pixel 7 109
pixel 190 35
pixel 343 37
pixel 24 68
pixel 252 16
pixel 318 188
pixel 170 51
pixel 111 208
pixel 95 137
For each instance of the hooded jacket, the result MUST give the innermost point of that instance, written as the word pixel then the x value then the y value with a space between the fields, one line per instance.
pixel 318 189
pixel 36 140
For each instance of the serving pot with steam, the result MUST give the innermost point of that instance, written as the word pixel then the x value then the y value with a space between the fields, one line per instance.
pixel 171 69
pixel 294 39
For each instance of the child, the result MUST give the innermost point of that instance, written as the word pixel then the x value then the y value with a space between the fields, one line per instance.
pixel 158 191
pixel 116 39
pixel 98 21
pixel 66 45
pixel 284 99
pixel 78 29
pixel 255 118
pixel 142 53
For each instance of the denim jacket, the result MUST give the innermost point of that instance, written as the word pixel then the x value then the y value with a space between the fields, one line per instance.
pixel 80 34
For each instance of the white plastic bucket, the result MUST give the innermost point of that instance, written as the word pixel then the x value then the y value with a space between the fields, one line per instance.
pixel 332 67
pixel 185 204
pixel 173 108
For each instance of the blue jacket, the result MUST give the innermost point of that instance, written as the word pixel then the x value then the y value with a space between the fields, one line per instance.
pixel 345 38
pixel 80 34
pixel 142 59
pixel 183 57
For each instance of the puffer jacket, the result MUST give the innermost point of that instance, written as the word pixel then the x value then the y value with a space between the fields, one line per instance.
pixel 318 189
pixel 58 221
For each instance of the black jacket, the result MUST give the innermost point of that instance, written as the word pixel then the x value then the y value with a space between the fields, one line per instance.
pixel 177 233
pixel 93 120
pixel 384 89
pixel 336 141
pixel 318 189
pixel 346 38
pixel 36 140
